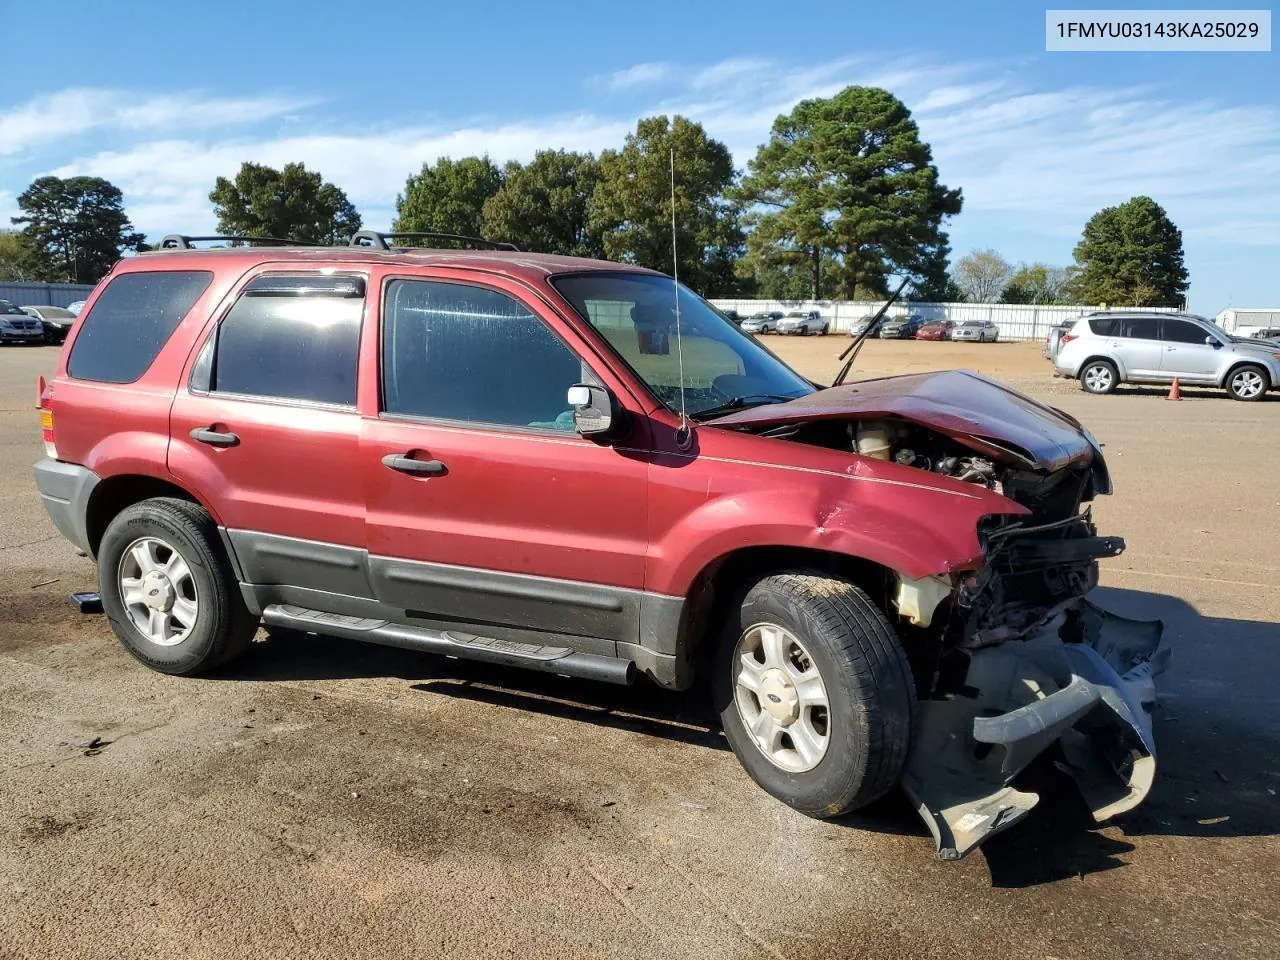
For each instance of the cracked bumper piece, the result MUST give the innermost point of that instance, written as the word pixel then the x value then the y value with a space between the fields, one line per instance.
pixel 1087 687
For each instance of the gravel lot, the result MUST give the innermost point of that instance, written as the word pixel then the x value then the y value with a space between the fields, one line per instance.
pixel 340 800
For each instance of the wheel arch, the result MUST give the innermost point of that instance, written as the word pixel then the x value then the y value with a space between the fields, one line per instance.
pixel 1247 363
pixel 1105 358
pixel 721 581
pixel 114 494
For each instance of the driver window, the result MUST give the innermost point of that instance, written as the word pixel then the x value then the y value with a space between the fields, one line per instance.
pixel 458 352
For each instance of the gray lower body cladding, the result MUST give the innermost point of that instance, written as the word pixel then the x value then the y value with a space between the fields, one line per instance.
pixel 595 620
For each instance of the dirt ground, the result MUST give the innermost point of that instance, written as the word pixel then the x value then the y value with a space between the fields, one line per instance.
pixel 332 799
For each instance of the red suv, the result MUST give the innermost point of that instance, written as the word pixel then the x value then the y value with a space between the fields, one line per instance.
pixel 579 467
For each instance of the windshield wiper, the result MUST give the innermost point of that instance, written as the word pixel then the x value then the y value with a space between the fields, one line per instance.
pixel 740 403
pixel 851 351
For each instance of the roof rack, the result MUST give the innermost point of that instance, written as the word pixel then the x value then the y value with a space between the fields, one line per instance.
pixel 178 241
pixel 378 240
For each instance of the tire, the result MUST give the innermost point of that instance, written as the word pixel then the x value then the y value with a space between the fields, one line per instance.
pixel 1248 382
pixel 864 677
pixel 1099 376
pixel 210 623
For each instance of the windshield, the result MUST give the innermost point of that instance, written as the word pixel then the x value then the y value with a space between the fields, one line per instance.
pixel 797 313
pixel 722 365
pixel 9 308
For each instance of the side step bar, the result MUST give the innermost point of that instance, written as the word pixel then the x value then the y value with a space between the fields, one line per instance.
pixel 452 643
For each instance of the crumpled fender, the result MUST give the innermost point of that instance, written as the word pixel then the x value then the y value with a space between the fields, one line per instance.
pixel 914 523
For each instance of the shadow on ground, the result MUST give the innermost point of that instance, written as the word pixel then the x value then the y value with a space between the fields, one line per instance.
pixel 1219 756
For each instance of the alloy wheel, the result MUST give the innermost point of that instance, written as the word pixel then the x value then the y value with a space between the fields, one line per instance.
pixel 781 698
pixel 158 591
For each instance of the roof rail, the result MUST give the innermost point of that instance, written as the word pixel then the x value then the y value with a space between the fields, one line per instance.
pixel 378 240
pixel 178 241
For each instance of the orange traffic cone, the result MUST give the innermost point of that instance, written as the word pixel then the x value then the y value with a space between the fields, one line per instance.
pixel 1175 391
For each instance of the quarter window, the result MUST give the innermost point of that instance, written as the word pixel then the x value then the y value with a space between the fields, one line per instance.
pixel 289 338
pixel 458 352
pixel 131 321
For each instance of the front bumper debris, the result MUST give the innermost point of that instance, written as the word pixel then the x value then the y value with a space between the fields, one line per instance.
pixel 1088 687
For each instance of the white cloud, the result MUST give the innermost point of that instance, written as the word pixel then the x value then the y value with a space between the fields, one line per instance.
pixel 640 75
pixel 1034 163
pixel 43 121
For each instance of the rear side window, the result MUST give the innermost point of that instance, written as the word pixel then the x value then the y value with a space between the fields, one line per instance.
pixel 1104 326
pixel 288 338
pixel 132 319
pixel 1140 328
pixel 459 352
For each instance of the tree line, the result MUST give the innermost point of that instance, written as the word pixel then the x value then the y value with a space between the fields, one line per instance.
pixel 843 195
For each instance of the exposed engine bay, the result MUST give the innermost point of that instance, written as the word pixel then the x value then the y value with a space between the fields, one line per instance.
pixel 1011 660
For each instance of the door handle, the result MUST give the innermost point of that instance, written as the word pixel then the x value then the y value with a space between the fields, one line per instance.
pixel 214 438
pixel 417 468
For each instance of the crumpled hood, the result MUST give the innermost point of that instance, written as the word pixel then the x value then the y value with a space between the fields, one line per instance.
pixel 971 409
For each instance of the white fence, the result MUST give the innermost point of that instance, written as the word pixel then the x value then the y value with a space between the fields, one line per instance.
pixel 1016 321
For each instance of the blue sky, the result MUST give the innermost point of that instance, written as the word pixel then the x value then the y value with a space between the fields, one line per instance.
pixel 161 98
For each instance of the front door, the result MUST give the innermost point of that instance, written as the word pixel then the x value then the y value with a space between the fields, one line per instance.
pixel 1186 354
pixel 265 430
pixel 484 506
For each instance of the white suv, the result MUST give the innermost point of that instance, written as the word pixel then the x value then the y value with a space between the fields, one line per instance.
pixel 1105 349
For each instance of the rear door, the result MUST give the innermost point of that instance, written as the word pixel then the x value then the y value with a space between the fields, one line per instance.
pixel 484 504
pixel 264 428
pixel 1139 348
pixel 1186 354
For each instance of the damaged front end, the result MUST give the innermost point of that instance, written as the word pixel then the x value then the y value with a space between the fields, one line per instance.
pixel 1011 660
pixel 1023 663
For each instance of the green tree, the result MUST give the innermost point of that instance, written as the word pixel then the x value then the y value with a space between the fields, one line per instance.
pixel 1131 254
pixel 76 228
pixel 449 197
pixel 982 275
pixel 17 258
pixel 1036 283
pixel 292 202
pixel 787 281
pixel 542 206
pixel 631 205
pixel 933 281
pixel 848 176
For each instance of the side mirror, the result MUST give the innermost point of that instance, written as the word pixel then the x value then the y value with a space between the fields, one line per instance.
pixel 595 411
pixel 1213 342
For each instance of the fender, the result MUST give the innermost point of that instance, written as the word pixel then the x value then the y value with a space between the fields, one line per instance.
pixel 912 522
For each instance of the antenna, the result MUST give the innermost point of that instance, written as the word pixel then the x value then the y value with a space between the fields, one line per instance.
pixel 683 434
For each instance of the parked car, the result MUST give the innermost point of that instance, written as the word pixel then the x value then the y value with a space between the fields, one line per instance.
pixel 56 321
pixel 855 567
pixel 1054 337
pixel 761 323
pixel 803 322
pixel 75 307
pixel 1269 334
pixel 979 330
pixel 935 330
pixel 902 327
pixel 859 326
pixel 732 317
pixel 1106 349
pixel 17 326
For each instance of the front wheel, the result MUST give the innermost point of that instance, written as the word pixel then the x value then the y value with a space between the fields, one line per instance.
pixel 815 693
pixel 1248 383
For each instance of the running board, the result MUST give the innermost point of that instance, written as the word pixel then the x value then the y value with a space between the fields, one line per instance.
pixel 453 643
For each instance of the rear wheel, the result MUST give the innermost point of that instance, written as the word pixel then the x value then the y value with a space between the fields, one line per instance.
pixel 815 693
pixel 168 590
pixel 1248 383
pixel 1099 376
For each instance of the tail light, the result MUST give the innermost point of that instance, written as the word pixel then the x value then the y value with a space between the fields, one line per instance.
pixel 44 394
pixel 1067 338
